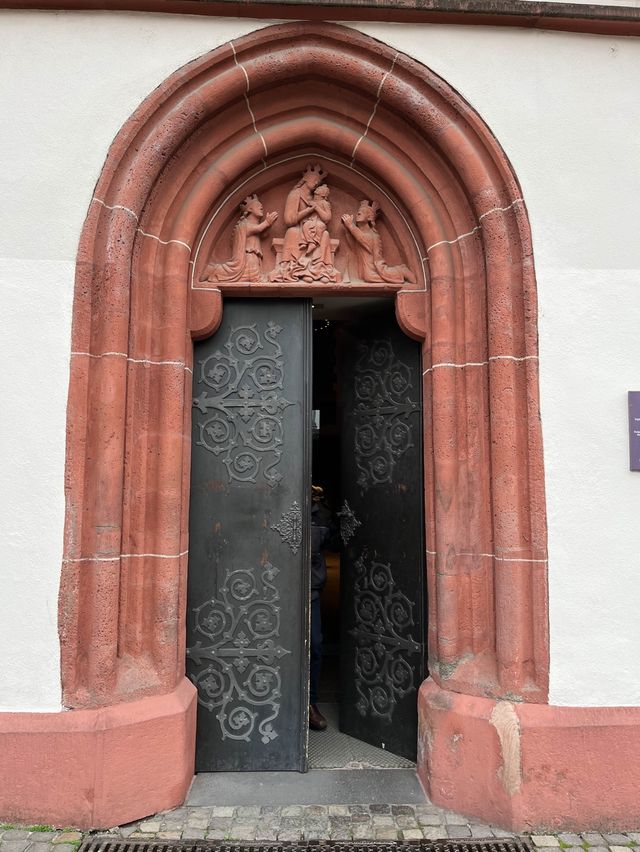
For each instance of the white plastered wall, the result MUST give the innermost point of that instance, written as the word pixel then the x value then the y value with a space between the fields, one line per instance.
pixel 563 106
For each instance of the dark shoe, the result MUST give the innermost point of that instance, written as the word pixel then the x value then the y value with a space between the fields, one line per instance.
pixel 317 722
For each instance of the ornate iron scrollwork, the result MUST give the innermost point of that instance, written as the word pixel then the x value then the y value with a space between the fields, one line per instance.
pixel 247 421
pixel 240 675
pixel 383 431
pixel 348 523
pixel 290 527
pixel 383 617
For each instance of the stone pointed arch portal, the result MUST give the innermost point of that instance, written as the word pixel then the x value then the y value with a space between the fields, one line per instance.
pixel 244 109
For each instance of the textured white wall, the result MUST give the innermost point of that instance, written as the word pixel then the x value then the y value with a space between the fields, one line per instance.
pixel 564 108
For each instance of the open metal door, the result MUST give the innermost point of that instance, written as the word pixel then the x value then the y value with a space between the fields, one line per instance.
pixel 383 635
pixel 248 589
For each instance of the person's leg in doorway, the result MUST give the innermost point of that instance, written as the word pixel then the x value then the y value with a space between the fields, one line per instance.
pixel 317 722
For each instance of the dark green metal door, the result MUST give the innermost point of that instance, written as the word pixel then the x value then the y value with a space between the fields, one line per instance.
pixel 382 564
pixel 247 618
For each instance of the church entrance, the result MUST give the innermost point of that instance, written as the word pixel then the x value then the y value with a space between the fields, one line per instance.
pixel 290 393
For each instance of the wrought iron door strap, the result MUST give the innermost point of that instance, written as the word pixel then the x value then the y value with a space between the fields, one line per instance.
pixel 348 523
pixel 242 679
pixel 290 526
pixel 247 420
pixel 383 432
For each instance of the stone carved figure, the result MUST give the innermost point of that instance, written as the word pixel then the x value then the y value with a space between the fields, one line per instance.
pixel 306 253
pixel 366 243
pixel 245 263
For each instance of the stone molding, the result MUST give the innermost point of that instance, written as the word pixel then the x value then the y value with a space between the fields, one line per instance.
pixel 531 14
pixel 98 768
pixel 285 92
pixel 530 767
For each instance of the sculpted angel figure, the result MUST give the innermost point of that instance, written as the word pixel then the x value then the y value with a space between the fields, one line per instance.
pixel 367 247
pixel 246 247
pixel 306 248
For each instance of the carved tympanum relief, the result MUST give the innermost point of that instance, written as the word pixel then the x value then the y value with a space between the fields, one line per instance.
pixel 245 263
pixel 314 245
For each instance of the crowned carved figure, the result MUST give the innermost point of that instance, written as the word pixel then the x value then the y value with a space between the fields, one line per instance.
pixel 245 263
pixel 366 243
pixel 307 250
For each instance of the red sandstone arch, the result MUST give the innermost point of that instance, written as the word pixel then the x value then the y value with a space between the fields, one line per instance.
pixel 281 92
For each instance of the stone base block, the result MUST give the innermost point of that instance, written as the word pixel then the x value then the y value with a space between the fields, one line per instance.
pixel 530 766
pixel 98 768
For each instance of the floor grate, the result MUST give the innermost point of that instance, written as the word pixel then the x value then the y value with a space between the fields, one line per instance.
pixel 102 844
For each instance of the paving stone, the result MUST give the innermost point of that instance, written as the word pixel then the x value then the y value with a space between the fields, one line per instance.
pixel 126 830
pixel 362 832
pixel 194 833
pixel 570 839
pixel 149 825
pixel 221 823
pixel 66 847
pixel 634 835
pixel 407 821
pixel 458 831
pixel 198 823
pixel 315 810
pixel 242 832
pixel 361 819
pixel 380 809
pixel 55 837
pixel 338 810
pixel 455 819
pixel 216 834
pixel 383 821
pixel 430 819
pixel 294 835
pixel 598 849
pixel 581 849
pixel 593 838
pixel 14 845
pixel 39 847
pixel 432 833
pixel 222 811
pixel 266 833
pixel 386 833
pixel 341 833
pixel 616 839
pixel 428 808
pixel 358 809
pixel 15 834
pixel 139 835
pixel 546 840
pixel 198 813
pixel 615 848
pixel 479 830
pixel 169 835
pixel 406 810
pixel 506 835
pixel 337 821
pixel 292 811
pixel 248 811
pixel 411 834
pixel 293 823
pixel 270 810
pixel 172 826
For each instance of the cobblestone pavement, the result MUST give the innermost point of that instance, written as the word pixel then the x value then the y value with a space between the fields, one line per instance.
pixel 308 822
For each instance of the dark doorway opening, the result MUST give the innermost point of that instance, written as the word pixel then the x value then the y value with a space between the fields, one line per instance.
pixel 358 350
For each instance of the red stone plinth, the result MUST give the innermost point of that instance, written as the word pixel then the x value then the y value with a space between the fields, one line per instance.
pixel 98 768
pixel 530 766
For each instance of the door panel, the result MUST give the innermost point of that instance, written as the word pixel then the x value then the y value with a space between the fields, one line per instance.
pixel 247 617
pixel 382 566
